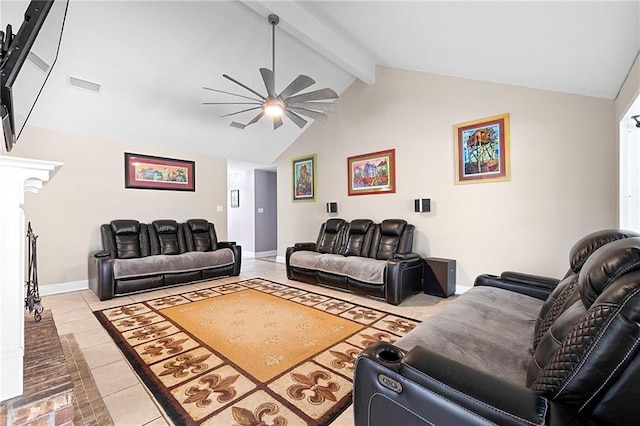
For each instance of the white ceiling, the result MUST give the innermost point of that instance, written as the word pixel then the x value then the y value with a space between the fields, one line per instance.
pixel 153 57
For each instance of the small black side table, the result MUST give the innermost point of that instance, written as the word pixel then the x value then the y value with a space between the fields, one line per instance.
pixel 440 276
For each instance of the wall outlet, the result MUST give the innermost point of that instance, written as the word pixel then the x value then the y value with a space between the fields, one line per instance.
pixel 219 209
pixel 260 210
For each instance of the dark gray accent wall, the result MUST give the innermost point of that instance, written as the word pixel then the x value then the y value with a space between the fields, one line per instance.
pixel 266 211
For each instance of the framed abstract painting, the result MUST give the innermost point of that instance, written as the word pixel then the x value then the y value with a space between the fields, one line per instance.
pixel 304 178
pixel 149 172
pixel 482 150
pixel 373 173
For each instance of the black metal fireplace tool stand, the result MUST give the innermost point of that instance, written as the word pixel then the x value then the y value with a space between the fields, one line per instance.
pixel 32 298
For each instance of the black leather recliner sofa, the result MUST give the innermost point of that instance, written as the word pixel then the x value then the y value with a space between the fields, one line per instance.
pixel 138 256
pixel 497 356
pixel 364 257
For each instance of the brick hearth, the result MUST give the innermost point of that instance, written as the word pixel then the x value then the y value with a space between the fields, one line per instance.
pixel 48 388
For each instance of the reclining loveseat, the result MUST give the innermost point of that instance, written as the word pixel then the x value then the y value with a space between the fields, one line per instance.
pixel 364 257
pixel 498 356
pixel 138 256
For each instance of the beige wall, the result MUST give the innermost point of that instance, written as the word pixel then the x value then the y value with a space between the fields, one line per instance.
pixel 563 168
pixel 89 190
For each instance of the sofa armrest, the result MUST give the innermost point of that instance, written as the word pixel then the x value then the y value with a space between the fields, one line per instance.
pixel 100 274
pixel 403 278
pixel 405 256
pixel 532 285
pixel 422 387
pixel 305 246
pixel 226 244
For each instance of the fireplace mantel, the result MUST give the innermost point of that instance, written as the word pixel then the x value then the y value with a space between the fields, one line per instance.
pixel 17 175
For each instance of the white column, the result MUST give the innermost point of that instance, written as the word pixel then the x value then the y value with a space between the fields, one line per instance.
pixel 17 175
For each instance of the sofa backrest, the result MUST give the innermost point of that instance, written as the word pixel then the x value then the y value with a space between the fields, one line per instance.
pixel 200 235
pixel 330 236
pixel 589 357
pixel 390 237
pixel 166 237
pixel 357 239
pixel 125 239
pixel 566 292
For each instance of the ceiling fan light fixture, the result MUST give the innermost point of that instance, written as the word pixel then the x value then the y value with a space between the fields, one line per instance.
pixel 272 108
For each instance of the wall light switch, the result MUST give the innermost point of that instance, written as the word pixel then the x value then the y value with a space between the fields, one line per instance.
pixel 260 210
pixel 219 208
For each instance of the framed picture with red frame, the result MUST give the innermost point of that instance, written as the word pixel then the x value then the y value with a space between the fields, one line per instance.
pixel 149 172
pixel 373 173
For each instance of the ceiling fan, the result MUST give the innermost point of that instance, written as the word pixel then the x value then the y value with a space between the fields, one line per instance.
pixel 288 102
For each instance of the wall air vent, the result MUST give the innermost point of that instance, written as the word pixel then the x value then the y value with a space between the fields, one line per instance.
pixel 83 84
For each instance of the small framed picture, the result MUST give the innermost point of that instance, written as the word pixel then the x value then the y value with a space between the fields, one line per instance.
pixel 304 178
pixel 373 173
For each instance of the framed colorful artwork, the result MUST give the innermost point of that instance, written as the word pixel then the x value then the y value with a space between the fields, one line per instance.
pixel 373 173
pixel 148 172
pixel 235 198
pixel 304 178
pixel 482 150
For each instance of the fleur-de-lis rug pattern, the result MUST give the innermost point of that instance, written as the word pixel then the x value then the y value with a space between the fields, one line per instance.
pixel 249 353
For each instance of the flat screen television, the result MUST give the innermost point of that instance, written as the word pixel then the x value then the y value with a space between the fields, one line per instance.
pixel 27 60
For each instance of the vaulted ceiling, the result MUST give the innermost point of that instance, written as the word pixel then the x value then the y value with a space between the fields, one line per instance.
pixel 152 59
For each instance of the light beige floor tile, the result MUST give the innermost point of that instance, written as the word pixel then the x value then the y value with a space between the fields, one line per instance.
pixel 87 339
pixel 114 377
pixel 81 313
pixel 131 407
pixel 103 354
pixel 79 326
pixel 89 296
pixel 159 422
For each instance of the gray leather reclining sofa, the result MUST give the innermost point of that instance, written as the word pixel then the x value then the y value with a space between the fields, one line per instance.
pixel 138 256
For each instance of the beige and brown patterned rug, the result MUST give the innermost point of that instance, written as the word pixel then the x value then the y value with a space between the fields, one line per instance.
pixel 249 352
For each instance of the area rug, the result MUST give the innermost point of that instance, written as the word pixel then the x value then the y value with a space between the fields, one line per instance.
pixel 248 353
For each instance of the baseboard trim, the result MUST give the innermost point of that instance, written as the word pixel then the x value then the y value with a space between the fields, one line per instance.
pixel 269 253
pixel 280 259
pixel 248 254
pixel 48 290
pixel 462 288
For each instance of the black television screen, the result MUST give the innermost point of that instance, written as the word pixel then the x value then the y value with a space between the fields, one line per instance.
pixel 27 60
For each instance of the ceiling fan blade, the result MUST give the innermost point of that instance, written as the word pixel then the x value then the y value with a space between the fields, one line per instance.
pixel 229 93
pixel 231 103
pixel 301 82
pixel 239 112
pixel 316 95
pixel 242 85
pixel 318 106
pixel 242 126
pixel 269 83
pixel 277 122
pixel 309 113
pixel 300 122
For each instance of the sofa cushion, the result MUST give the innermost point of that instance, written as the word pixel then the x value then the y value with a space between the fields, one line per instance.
pixel 167 232
pixel 201 235
pixel 127 238
pixel 486 328
pixel 358 238
pixel 363 269
pixel 389 238
pixel 162 264
pixel 328 240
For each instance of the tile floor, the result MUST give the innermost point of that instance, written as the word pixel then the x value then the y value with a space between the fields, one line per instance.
pixel 125 396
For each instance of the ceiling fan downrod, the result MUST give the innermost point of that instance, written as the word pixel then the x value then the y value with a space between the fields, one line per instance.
pixel 273 20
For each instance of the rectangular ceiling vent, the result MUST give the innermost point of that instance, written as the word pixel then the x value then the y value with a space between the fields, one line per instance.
pixel 83 84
